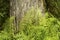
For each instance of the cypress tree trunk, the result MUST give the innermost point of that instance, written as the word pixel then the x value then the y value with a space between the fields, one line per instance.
pixel 19 7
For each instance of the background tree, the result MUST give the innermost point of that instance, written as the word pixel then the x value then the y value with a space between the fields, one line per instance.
pixel 53 7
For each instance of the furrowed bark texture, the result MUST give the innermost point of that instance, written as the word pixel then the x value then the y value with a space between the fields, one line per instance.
pixel 19 7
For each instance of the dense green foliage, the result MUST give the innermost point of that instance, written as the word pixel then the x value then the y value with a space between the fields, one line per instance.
pixel 53 6
pixel 33 26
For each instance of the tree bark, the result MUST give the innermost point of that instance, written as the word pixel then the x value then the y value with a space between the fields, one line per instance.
pixel 19 7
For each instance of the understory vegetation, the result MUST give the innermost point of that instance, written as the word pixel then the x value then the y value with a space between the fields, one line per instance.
pixel 33 26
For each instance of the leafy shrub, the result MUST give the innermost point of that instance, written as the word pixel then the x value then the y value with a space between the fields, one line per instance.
pixel 4 36
pixel 7 33
pixel 36 26
pixel 33 26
